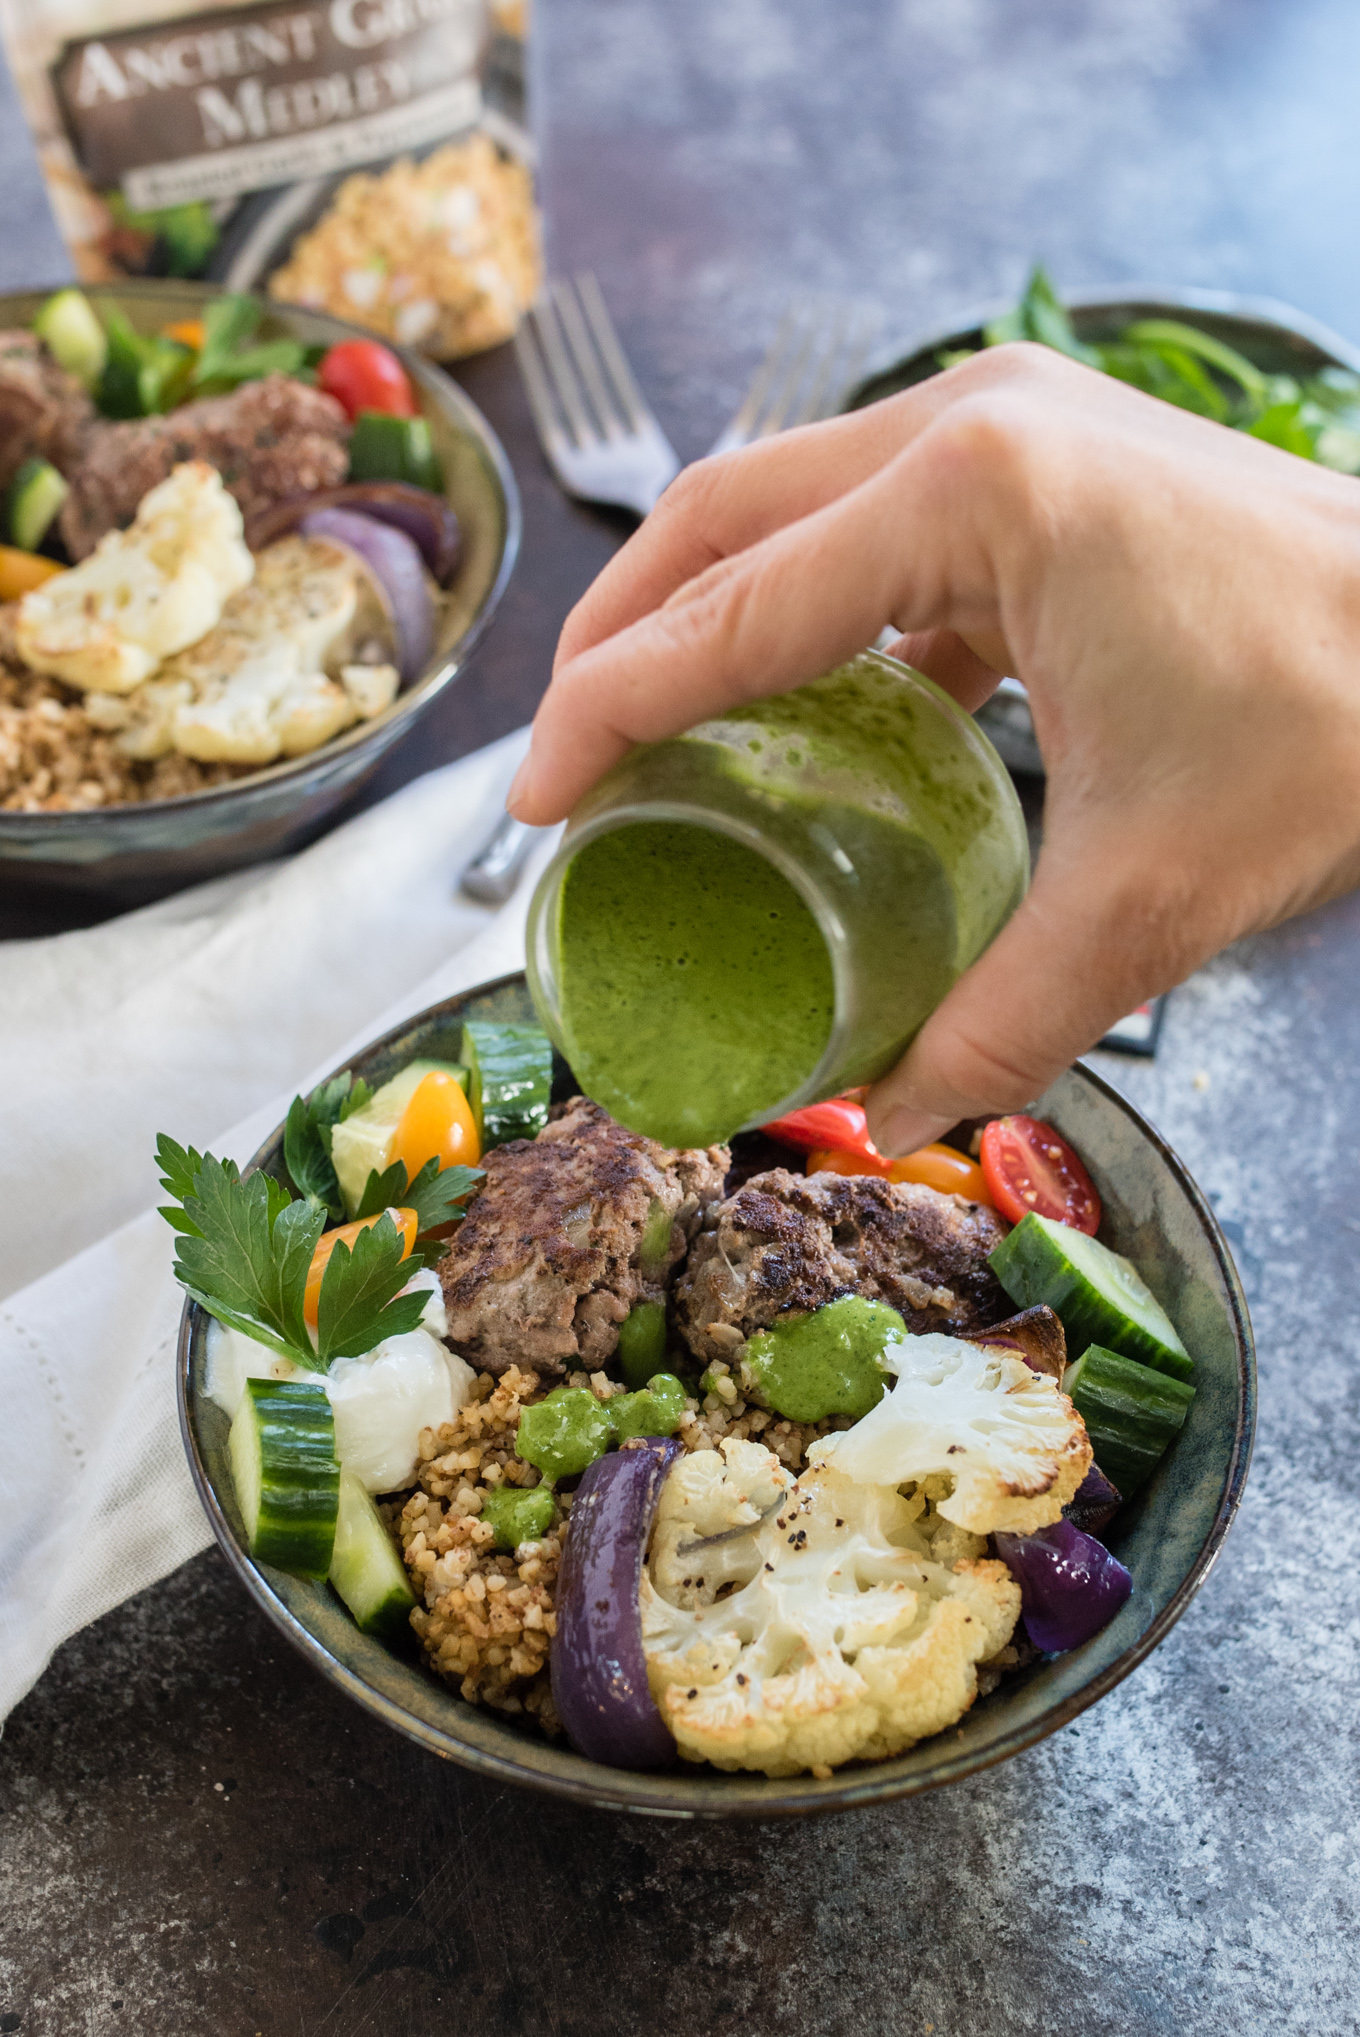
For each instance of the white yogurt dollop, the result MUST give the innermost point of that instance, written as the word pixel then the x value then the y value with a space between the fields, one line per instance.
pixel 381 1401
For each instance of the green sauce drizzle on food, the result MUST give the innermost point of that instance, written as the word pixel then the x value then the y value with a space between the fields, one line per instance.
pixel 825 1363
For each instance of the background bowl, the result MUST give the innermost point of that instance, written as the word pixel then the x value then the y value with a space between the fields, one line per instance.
pixel 131 853
pixel 1273 336
pixel 1168 1537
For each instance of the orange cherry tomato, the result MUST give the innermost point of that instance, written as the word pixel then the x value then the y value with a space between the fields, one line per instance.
pixel 935 1166
pixel 21 572
pixel 437 1124
pixel 405 1221
pixel 188 331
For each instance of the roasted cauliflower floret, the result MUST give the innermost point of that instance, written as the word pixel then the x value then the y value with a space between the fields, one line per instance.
pixel 845 1640
pixel 145 592
pixel 1012 1442
pixel 709 1504
pixel 272 678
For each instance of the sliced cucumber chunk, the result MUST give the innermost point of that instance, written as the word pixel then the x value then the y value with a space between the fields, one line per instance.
pixel 1131 1413
pixel 386 448
pixel 35 495
pixel 360 1144
pixel 1101 1298
pixel 282 1452
pixel 71 332
pixel 642 1342
pixel 366 1569
pixel 510 1076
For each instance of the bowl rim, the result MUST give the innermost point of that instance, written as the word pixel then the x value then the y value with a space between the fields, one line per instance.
pixel 443 392
pixel 1249 309
pixel 852 1788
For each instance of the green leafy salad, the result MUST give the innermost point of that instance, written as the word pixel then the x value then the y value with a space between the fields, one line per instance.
pixel 1315 416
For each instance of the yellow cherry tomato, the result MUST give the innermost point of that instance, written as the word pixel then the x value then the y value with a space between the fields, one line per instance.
pixel 188 331
pixel 405 1221
pixel 934 1166
pixel 437 1124
pixel 21 572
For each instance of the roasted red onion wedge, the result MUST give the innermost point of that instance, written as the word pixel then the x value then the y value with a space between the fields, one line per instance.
pixel 426 519
pixel 1036 1335
pixel 396 565
pixel 1094 1504
pixel 599 1672
pixel 1070 1585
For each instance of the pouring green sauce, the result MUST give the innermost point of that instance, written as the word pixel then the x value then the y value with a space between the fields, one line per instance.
pixel 690 982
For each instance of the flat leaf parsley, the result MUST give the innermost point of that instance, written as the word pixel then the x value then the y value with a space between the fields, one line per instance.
pixel 244 1246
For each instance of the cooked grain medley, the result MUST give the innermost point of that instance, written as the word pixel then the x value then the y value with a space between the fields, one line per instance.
pixel 54 758
pixel 441 255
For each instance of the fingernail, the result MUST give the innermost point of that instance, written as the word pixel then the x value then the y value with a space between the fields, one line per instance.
pixel 896 1132
pixel 519 786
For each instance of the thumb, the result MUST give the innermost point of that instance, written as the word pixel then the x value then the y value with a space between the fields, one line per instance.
pixel 1078 954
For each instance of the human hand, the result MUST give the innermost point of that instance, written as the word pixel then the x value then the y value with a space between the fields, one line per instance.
pixel 1182 602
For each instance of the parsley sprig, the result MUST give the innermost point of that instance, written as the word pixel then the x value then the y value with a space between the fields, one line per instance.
pixel 245 1246
pixel 307 1139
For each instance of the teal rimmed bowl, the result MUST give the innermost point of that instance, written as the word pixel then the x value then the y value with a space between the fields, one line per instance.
pixel 1168 1537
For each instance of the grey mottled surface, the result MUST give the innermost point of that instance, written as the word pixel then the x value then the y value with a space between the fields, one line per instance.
pixel 1183 1857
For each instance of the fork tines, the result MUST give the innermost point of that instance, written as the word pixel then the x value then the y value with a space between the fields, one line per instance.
pixel 817 356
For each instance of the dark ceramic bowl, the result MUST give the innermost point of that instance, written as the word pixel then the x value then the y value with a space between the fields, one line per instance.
pixel 1273 336
pixel 1168 1538
pixel 130 853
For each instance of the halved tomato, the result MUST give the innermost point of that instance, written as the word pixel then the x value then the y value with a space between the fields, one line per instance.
pixel 1030 1167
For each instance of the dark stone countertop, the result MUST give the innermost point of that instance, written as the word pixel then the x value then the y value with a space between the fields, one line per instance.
pixel 200 1836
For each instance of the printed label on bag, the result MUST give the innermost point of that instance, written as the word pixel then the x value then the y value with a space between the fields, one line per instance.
pixel 218 104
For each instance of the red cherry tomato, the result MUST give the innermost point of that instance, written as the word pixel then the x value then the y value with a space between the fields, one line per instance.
pixel 1028 1167
pixel 362 375
pixel 839 1123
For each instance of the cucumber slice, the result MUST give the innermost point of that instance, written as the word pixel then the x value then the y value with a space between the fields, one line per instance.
pixel 385 448
pixel 1100 1297
pixel 366 1569
pixel 35 495
pixel 642 1342
pixel 72 334
pixel 510 1080
pixel 1131 1413
pixel 282 1451
pixel 360 1143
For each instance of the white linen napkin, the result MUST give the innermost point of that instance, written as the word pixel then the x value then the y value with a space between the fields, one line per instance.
pixel 208 1011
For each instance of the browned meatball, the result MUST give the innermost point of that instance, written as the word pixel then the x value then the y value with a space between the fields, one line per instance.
pixel 786 1243
pixel 549 1259
pixel 267 439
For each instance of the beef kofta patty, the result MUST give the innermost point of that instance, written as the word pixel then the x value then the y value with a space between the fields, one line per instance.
pixel 567 1233
pixel 44 412
pixel 786 1243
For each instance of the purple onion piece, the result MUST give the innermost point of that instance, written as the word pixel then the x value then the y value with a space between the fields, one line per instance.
pixel 1094 1504
pixel 599 1672
pixel 427 519
pixel 1070 1585
pixel 396 565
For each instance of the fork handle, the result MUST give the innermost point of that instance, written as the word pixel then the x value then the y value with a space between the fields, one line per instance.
pixel 492 875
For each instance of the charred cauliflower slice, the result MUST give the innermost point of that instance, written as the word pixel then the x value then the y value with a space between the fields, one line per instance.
pixel 145 592
pixel 847 1638
pixel 1011 1441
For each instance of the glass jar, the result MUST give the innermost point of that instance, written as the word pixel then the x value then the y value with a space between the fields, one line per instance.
pixel 860 844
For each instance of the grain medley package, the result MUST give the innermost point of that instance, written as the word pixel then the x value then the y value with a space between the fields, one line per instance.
pixel 364 157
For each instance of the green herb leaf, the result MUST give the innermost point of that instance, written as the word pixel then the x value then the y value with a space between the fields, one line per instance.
pixel 361 1302
pixel 1040 316
pixel 225 360
pixel 435 1195
pixel 247 1256
pixel 1188 339
pixel 307 1138
pixel 1283 425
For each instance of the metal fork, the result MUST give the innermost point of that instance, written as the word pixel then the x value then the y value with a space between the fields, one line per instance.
pixel 604 444
pixel 817 356
pixel 601 440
